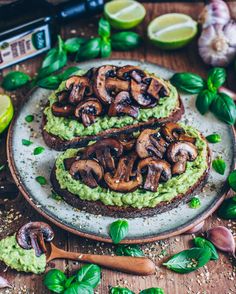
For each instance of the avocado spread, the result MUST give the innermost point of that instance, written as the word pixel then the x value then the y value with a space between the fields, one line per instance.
pixel 139 198
pixel 67 128
pixel 20 259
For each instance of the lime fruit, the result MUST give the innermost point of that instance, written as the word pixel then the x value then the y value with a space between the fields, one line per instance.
pixel 6 112
pixel 124 14
pixel 172 30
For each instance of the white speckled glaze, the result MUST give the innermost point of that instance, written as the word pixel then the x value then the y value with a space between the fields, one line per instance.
pixel 25 167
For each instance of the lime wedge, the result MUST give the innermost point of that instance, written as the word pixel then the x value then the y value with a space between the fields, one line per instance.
pixel 6 112
pixel 172 30
pixel 124 14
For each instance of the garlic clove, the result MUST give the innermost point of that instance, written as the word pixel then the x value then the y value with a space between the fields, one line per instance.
pixel 222 238
pixel 195 229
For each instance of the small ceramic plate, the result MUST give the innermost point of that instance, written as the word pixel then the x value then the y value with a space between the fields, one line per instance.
pixel 25 167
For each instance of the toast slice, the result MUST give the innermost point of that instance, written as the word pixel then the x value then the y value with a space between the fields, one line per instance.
pixel 106 101
pixel 165 182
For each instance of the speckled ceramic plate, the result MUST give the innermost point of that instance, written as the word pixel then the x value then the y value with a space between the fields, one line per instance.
pixel 25 167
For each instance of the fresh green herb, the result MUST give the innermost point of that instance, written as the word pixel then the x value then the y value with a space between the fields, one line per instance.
pixel 124 41
pixel 38 150
pixel 188 260
pixel 2 166
pixel 129 250
pixel 119 230
pixel 213 138
pixel 216 78
pixel 120 290
pixel 55 280
pixel 188 82
pixel 68 72
pixel 26 142
pixel 72 45
pixel 203 243
pixel 91 49
pixel 41 180
pixel 232 180
pixel 224 108
pixel 50 82
pixel 204 101
pixel 29 118
pixel 69 281
pixel 90 274
pixel 55 196
pixel 153 291
pixel 105 48
pixel 227 209
pixel 195 202
pixel 76 288
pixel 14 80
pixel 219 165
pixel 104 28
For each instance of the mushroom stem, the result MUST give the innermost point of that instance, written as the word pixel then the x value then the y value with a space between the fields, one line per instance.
pixel 152 179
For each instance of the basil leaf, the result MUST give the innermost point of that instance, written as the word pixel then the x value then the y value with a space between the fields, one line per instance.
pixel 232 180
pixel 14 80
pixel 76 288
pixel 153 291
pixel 41 180
pixel 129 250
pixel 68 72
pixel 104 28
pixel 188 82
pixel 38 150
pixel 124 41
pixel 227 209
pixel 26 142
pixel 72 45
pixel 105 48
pixel 54 280
pixel 29 118
pixel 118 230
pixel 188 260
pixel 91 274
pixel 219 165
pixel 195 202
pixel 120 290
pixel 203 243
pixel 216 78
pixel 213 138
pixel 91 49
pixel 204 101
pixel 51 82
pixel 224 108
pixel 69 281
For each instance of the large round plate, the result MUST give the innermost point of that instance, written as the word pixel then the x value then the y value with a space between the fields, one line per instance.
pixel 25 167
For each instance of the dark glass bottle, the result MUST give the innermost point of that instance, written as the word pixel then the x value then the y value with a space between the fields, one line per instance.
pixel 30 27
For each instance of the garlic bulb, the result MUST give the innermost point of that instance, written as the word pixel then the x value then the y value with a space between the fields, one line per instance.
pixel 216 12
pixel 217 44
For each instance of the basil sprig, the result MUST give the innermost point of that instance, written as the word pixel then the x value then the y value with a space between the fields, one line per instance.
pixel 203 243
pixel 54 280
pixel 118 230
pixel 128 250
pixel 188 82
pixel 14 80
pixel 227 209
pixel 72 45
pixel 204 101
pixel 219 165
pixel 232 180
pixel 124 41
pixel 216 78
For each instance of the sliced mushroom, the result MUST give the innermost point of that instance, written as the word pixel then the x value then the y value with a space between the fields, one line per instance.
pixel 105 152
pixel 139 94
pixel 179 153
pixel 114 85
pixel 62 110
pixel 63 96
pixel 124 179
pixel 68 162
pixel 173 132
pixel 78 87
pixel 123 105
pixel 99 85
pixel 150 143
pixel 155 169
pixel 33 235
pixel 87 110
pixel 130 72
pixel 89 171
pixel 127 140
pixel 156 87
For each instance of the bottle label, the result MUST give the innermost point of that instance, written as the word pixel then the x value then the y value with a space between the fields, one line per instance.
pixel 23 46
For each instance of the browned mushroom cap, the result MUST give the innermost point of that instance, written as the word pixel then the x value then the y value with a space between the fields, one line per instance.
pixel 179 153
pixel 99 85
pixel 173 132
pixel 105 152
pixel 123 105
pixel 114 85
pixel 150 143
pixel 129 71
pixel 68 162
pixel 155 169
pixel 62 110
pixel 33 235
pixel 156 87
pixel 139 94
pixel 87 110
pixel 127 140
pixel 79 87
pixel 63 96
pixel 89 171
pixel 124 179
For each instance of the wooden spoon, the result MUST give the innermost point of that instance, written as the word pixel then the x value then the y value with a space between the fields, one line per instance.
pixel 133 265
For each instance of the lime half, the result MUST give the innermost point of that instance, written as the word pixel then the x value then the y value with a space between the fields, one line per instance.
pixel 6 112
pixel 124 14
pixel 172 30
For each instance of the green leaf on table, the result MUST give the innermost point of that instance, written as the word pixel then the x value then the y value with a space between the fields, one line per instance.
pixel 105 48
pixel 14 80
pixel 72 45
pixel 213 138
pixel 188 260
pixel 216 78
pixel 124 41
pixel 69 281
pixel 203 243
pixel 26 142
pixel 219 165
pixel 29 118
pixel 227 209
pixel 120 290
pixel 54 280
pixel 118 230
pixel 50 82
pixel 79 288
pixel 153 291
pixel 188 82
pixel 204 101
pixel 128 250
pixel 38 150
pixel 68 72
pixel 91 49
pixel 41 180
pixel 91 274
pixel 104 28
pixel 232 180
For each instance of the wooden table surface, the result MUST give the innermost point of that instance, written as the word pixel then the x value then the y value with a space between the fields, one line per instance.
pixel 216 277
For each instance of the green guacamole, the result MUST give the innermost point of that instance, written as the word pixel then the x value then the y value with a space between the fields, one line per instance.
pixel 67 129
pixel 139 198
pixel 20 259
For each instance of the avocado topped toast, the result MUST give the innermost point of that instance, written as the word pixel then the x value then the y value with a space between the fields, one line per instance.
pixel 105 101
pixel 137 174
